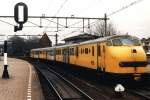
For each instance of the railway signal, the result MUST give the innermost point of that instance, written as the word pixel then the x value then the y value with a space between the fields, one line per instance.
pixel 20 15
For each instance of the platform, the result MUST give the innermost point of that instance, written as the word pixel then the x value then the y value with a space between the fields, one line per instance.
pixel 23 83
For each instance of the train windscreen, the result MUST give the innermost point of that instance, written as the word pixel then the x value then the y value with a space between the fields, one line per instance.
pixel 124 41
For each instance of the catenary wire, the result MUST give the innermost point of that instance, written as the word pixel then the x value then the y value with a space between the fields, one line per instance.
pixel 117 11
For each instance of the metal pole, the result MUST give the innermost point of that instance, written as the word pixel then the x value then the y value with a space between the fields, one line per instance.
pixel 83 24
pixel 40 22
pixel 57 24
pixel 5 71
pixel 56 39
pixel 105 19
pixel 66 23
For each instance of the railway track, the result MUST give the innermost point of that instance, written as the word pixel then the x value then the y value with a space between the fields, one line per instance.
pixel 63 88
pixel 97 88
pixel 144 92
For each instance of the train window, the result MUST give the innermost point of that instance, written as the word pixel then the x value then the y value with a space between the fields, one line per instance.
pixel 116 42
pixel 62 51
pixel 92 50
pixel 136 41
pixel 126 41
pixel 82 50
pixel 59 52
pixel 109 43
pixel 86 50
pixel 72 51
pixel 103 48
pixel 89 50
pixel 77 51
pixel 49 52
pixel 99 50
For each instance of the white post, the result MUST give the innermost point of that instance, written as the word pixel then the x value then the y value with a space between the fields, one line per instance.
pixel 5 71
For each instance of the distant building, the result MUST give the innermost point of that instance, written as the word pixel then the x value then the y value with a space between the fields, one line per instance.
pixel 45 41
pixel 146 44
pixel 80 38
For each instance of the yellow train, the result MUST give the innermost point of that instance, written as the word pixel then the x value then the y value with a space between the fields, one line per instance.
pixel 118 55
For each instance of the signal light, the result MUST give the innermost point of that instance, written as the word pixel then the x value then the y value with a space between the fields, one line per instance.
pixel 20 15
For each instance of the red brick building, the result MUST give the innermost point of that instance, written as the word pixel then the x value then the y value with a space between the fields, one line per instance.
pixel 45 41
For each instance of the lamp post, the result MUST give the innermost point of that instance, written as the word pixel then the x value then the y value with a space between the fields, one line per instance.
pixel 5 71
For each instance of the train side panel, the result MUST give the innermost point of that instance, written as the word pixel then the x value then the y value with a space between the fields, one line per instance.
pixel 86 55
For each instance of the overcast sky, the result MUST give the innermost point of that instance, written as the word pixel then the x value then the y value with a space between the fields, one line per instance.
pixel 135 20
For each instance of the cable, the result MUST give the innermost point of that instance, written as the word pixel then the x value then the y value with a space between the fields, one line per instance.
pixel 34 23
pixel 7 23
pixel 125 7
pixel 54 22
pixel 77 29
pixel 60 7
pixel 56 13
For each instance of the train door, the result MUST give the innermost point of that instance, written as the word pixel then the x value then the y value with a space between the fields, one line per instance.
pixel 77 52
pixel 54 54
pixel 103 51
pixel 66 55
pixel 101 56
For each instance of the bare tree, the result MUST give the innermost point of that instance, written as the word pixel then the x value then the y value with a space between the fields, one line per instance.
pixel 17 45
pixel 31 43
pixel 99 29
pixel 20 46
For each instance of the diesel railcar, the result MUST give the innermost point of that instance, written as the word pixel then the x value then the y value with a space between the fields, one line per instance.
pixel 118 55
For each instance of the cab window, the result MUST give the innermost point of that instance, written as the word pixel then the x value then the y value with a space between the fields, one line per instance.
pixel 109 43
pixel 125 41
pixel 116 42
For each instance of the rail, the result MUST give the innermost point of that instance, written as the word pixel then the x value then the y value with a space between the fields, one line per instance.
pixel 50 75
pixel 144 93
pixel 50 83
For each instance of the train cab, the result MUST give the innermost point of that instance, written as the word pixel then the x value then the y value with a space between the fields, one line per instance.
pixel 125 56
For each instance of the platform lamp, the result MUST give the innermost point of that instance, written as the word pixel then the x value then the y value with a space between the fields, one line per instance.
pixel 5 71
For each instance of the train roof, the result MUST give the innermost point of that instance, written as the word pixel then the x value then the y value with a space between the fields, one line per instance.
pixel 81 43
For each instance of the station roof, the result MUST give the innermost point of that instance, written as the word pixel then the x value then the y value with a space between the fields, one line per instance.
pixel 81 36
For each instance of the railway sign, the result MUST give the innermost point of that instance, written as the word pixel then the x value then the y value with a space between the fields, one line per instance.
pixel 20 15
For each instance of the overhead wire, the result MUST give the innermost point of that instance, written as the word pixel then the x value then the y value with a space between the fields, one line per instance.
pixel 62 5
pixel 88 6
pixel 117 11
pixel 7 23
pixel 34 23
pixel 125 7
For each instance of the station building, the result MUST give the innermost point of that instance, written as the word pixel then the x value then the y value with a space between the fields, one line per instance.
pixel 80 38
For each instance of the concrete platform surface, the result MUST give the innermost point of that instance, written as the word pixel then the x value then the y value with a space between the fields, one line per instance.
pixel 23 83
